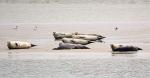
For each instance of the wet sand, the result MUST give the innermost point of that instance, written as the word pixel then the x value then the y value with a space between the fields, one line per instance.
pixel 97 62
pixel 128 33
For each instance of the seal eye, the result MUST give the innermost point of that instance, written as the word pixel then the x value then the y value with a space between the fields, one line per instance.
pixel 72 41
pixel 16 44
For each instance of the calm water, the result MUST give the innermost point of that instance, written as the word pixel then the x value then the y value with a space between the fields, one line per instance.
pixel 73 65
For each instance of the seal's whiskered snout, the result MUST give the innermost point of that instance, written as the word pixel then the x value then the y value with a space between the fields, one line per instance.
pixel 112 47
pixel 54 33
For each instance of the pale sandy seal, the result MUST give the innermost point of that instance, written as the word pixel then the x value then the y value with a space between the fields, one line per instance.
pixel 76 41
pixel 98 35
pixel 70 46
pixel 87 37
pixel 124 48
pixel 58 35
pixel 19 45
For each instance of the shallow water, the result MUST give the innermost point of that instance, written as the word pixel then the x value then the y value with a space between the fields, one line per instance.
pixel 66 65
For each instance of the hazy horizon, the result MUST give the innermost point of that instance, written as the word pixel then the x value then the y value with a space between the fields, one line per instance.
pixel 72 13
pixel 79 1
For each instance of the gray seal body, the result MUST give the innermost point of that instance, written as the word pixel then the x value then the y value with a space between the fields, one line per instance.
pixel 98 35
pixel 124 48
pixel 87 37
pixel 70 46
pixel 76 41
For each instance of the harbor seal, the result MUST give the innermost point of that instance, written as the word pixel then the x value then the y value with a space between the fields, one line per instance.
pixel 124 48
pixel 19 45
pixel 98 35
pixel 87 37
pixel 76 41
pixel 70 46
pixel 58 35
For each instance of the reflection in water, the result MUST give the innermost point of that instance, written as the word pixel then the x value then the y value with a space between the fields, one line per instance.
pixel 71 55
pixel 124 54
pixel 134 55
pixel 63 67
pixel 10 55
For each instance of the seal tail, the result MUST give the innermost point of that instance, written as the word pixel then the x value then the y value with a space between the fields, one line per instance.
pixel 140 49
pixel 86 47
pixel 81 47
pixel 58 48
pixel 55 49
pixel 32 45
pixel 90 42
pixel 101 37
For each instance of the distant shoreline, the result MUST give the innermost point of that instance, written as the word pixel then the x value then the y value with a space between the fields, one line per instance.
pixel 77 1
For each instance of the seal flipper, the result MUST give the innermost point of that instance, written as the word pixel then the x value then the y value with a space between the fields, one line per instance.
pixel 55 49
pixel 101 41
pixel 32 45
pixel 84 47
pixel 59 48
pixel 100 37
pixel 140 48
pixel 81 47
pixel 90 42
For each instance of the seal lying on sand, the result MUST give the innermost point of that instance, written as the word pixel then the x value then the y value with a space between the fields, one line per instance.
pixel 98 35
pixel 58 35
pixel 76 41
pixel 87 37
pixel 70 46
pixel 124 48
pixel 19 45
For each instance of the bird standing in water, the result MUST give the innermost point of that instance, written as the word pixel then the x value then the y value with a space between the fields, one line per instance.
pixel 116 28
pixel 35 28
pixel 16 27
